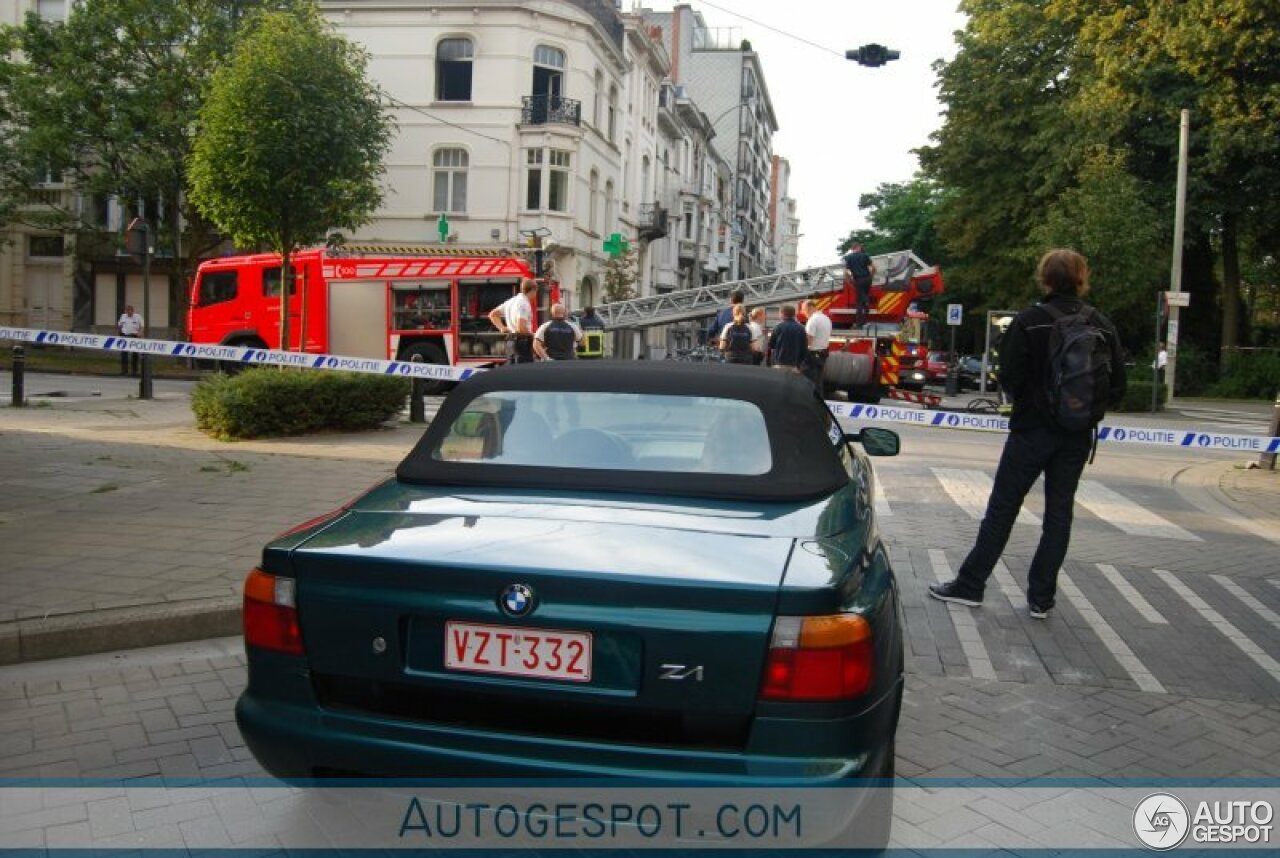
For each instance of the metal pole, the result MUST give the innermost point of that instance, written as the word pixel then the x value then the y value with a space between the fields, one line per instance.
pixel 1175 277
pixel 144 383
pixel 1155 364
pixel 417 407
pixel 19 398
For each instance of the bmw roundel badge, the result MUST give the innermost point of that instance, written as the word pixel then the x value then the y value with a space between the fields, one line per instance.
pixel 516 600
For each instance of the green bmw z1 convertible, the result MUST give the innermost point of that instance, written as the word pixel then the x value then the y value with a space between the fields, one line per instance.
pixel 643 570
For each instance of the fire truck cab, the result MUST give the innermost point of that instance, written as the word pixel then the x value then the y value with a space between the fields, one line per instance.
pixel 376 303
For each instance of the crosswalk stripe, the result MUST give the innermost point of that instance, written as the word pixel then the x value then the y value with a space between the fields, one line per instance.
pixel 1244 596
pixel 1117 647
pixel 1116 510
pixel 971 489
pixel 1139 602
pixel 1241 641
pixel 975 651
pixel 1008 586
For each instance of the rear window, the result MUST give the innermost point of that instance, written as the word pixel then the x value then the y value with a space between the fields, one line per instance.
pixel 217 287
pixel 610 431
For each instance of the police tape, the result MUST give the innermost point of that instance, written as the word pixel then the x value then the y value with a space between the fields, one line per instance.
pixel 1165 437
pixel 240 354
pixel 1159 436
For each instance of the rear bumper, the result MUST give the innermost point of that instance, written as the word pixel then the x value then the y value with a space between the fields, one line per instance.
pixel 301 740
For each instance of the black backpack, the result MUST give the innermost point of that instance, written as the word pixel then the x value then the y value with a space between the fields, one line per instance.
pixel 739 344
pixel 1078 371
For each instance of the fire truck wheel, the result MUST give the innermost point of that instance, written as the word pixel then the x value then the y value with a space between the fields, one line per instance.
pixel 431 353
pixel 232 367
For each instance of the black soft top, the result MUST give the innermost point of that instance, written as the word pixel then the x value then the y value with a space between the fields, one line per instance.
pixel 806 463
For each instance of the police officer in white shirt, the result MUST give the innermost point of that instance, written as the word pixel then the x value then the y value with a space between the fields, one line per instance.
pixel 818 329
pixel 514 317
pixel 130 325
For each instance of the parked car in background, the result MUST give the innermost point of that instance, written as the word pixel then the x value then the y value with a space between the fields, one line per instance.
pixel 600 569
pixel 936 367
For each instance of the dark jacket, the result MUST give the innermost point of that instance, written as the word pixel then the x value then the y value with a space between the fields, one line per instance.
pixel 1024 361
pixel 788 344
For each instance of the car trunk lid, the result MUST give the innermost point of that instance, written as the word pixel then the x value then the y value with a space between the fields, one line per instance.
pixel 421 616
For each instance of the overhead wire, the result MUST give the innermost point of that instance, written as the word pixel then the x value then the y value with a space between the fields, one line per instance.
pixel 839 54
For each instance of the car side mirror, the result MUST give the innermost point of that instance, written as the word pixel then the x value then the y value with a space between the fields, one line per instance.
pixel 876 441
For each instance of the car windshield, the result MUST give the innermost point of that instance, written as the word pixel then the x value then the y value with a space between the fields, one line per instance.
pixel 610 431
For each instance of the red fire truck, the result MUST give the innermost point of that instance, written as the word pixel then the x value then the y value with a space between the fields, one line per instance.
pixel 891 349
pixel 375 302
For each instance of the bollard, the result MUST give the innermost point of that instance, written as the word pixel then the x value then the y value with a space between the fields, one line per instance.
pixel 953 381
pixel 1268 460
pixel 144 378
pixel 417 405
pixel 19 377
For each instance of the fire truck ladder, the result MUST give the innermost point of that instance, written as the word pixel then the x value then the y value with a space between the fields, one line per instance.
pixel 893 273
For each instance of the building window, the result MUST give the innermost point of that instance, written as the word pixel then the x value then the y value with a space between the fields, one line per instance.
pixel 688 220
pixel 449 180
pixel 45 246
pixel 51 10
pixel 453 70
pixel 556 165
pixel 533 182
pixel 613 113
pixel 548 74
pixel 609 225
pixel 558 192
pixel 596 100
pixel 593 211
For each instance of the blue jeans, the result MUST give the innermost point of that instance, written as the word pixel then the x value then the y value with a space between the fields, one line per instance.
pixel 1028 453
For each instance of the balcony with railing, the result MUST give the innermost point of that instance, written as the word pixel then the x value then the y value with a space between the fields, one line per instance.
pixel 652 221
pixel 545 109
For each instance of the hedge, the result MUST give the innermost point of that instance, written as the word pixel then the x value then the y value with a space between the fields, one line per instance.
pixel 1137 395
pixel 267 402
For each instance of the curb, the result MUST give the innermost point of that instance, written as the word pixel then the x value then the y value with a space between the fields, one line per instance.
pixel 93 632
pixel 1201 486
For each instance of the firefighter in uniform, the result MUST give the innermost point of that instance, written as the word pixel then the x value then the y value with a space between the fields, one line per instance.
pixel 592 345
pixel 557 339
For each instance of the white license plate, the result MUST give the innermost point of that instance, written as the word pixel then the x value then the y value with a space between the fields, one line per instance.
pixel 512 651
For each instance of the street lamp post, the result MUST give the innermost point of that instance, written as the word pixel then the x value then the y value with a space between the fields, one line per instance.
pixel 139 242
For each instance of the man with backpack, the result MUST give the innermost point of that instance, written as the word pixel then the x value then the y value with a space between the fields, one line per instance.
pixel 737 340
pixel 1061 363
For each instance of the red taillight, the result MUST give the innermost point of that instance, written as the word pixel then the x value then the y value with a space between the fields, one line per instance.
pixel 270 615
pixel 818 658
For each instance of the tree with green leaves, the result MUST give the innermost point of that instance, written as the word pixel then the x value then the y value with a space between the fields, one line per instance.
pixel 107 100
pixel 620 276
pixel 903 217
pixel 292 139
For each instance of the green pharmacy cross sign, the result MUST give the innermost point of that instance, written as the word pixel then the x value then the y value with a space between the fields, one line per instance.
pixel 443 226
pixel 616 245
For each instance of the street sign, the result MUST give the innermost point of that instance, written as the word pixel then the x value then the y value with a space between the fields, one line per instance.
pixel 955 313
pixel 1178 299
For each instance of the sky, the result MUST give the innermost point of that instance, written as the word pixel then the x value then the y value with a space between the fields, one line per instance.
pixel 845 128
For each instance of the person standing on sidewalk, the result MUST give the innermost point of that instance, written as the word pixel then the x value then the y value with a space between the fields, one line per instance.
pixel 1036 444
pixel 558 338
pixel 788 343
pixel 817 328
pixel 131 326
pixel 514 318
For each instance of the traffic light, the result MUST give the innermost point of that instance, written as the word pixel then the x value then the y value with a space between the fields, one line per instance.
pixel 871 55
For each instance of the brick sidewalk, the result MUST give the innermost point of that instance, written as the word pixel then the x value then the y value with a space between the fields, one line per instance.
pixel 120 514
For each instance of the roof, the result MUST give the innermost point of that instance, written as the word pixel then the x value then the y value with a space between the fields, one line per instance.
pixel 805 463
